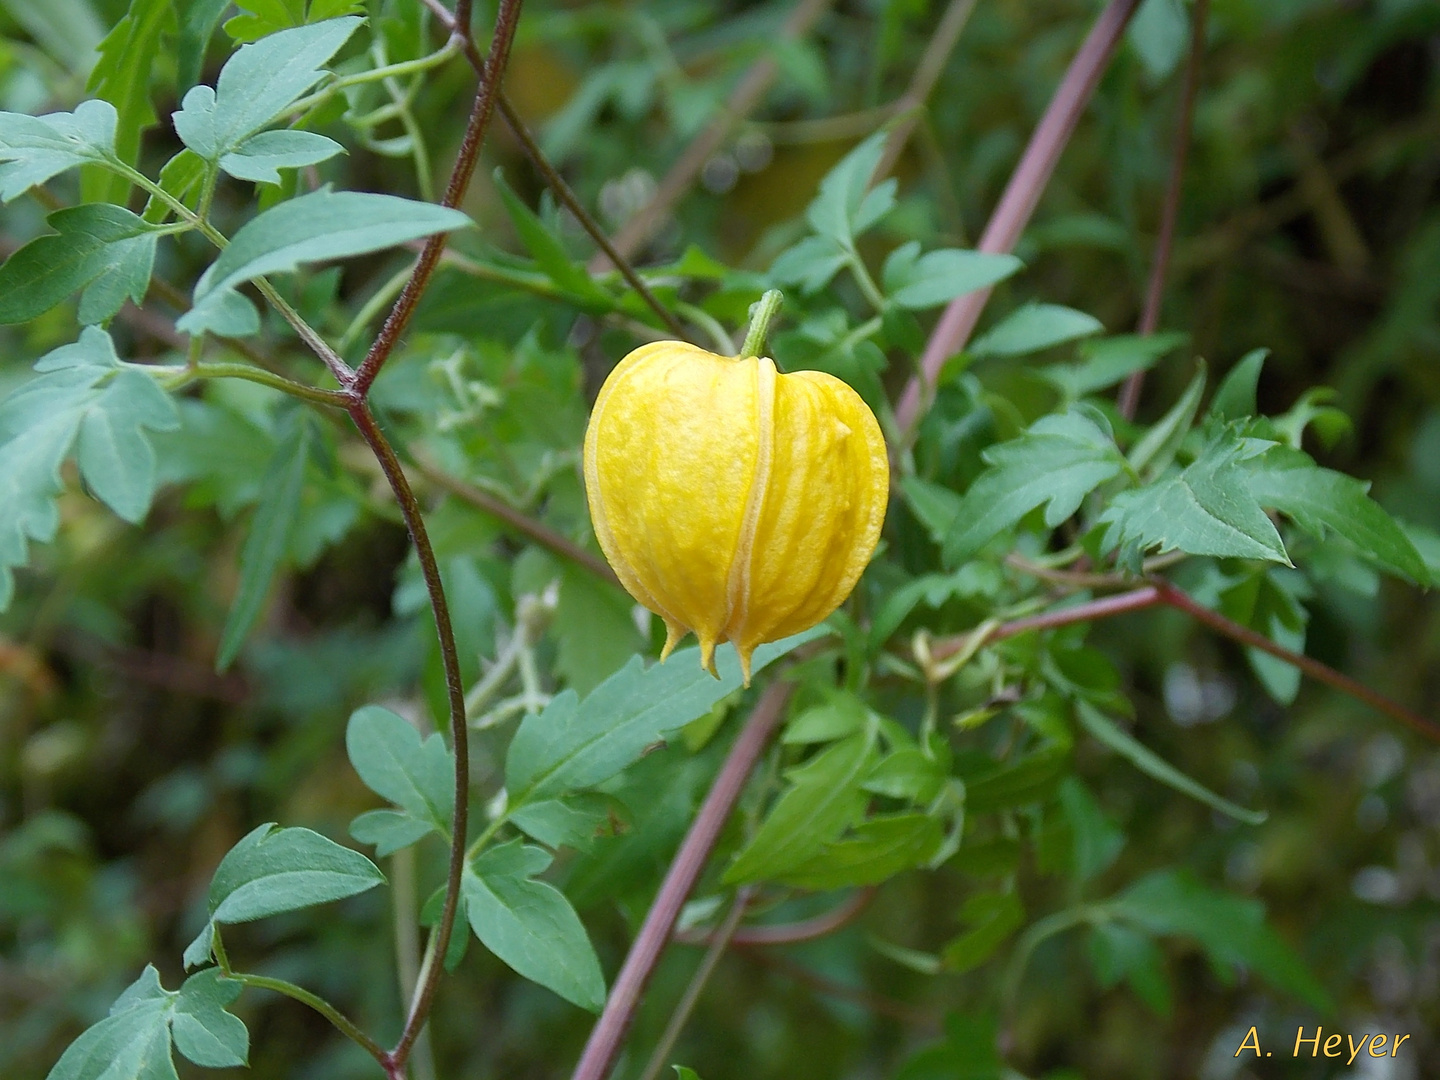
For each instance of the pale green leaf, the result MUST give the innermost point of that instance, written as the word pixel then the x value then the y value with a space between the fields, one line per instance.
pixel 937 277
pixel 35 148
pixel 1034 328
pixel 390 756
pixel 261 157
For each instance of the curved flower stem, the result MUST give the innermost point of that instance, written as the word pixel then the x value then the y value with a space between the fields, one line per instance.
pixel 1022 195
pixel 609 1031
pixel 761 313
pixel 335 399
pixel 319 1004
pixel 1170 208
pixel 489 89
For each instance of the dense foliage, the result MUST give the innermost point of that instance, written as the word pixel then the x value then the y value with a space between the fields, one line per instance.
pixel 1041 803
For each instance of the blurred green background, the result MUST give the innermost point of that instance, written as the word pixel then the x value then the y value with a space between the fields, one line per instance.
pixel 1310 225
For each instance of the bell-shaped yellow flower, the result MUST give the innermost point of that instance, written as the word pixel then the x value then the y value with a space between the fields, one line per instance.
pixel 732 500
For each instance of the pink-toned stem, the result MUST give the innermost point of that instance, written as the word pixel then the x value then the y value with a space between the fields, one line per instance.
pixel 1022 195
pixel 1170 209
pixel 609 1031
pixel 836 918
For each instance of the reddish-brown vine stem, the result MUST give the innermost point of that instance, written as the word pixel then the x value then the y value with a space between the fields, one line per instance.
pixel 609 1031
pixel 1170 209
pixel 492 72
pixel 1022 195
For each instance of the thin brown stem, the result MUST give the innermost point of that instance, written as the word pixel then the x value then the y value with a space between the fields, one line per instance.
pixel 910 106
pixel 489 89
pixel 681 1015
pixel 743 100
pixel 837 918
pixel 517 520
pixel 1022 195
pixel 1170 208
pixel 455 692
pixel 1182 601
pixel 609 1031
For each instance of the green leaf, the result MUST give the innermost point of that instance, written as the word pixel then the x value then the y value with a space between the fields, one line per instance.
pixel 1269 600
pixel 182 178
pixel 966 1053
pixel 69 30
pixel 324 224
pixel 1231 929
pixel 993 918
pixel 198 19
pixel 266 543
pixel 823 800
pixel 255 86
pixel 906 773
pixel 811 263
pixel 1206 509
pixel 1057 462
pixel 937 277
pixel 1235 397
pixel 104 249
pixel 934 506
pixel 548 251
pixel 839 715
pixel 394 762
pixel 203 1031
pixel 389 830
pixel 1158 34
pixel 1117 951
pixel 1096 840
pixel 270 871
pixel 1156 449
pixel 846 206
pixel 530 925
pixel 131 1043
pixel 1107 732
pixel 261 157
pixel 596 631
pixel 576 744
pixel 1030 780
pixel 877 850
pixel 122 77
pixel 1322 501
pixel 682 1073
pixel 35 148
pixel 83 393
pixel 1106 361
pixel 571 820
pixel 1034 328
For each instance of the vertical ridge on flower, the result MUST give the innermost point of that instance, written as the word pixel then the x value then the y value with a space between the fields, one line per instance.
pixel 733 501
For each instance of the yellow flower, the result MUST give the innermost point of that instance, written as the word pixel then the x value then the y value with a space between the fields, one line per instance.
pixel 732 500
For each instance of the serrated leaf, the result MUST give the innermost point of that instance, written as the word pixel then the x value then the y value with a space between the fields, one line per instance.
pixel 1106 361
pixel 994 917
pixel 256 84
pixel 1235 396
pixel 530 925
pixel 823 799
pixel 1107 732
pixel 198 20
pixel 1156 449
pixel 547 250
pixel 324 224
pixel 1206 509
pixel 122 77
pixel 394 762
pixel 203 1031
pixel 1231 929
pixel 267 540
pixel 937 277
pixel 1322 501
pixel 261 157
pixel 35 148
pixel 1034 328
pixel 40 421
pixel 1057 462
pixel 877 850
pixel 845 207
pixel 98 245
pixel 573 745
